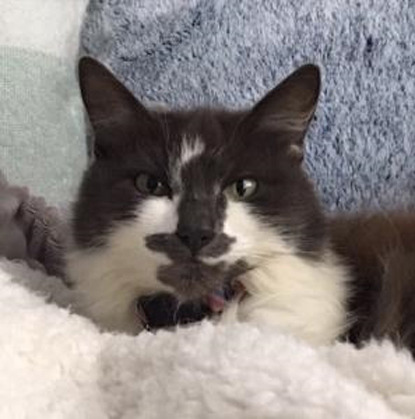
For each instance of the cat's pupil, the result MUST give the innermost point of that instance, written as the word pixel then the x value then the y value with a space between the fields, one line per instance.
pixel 153 184
pixel 148 184
pixel 241 187
pixel 245 187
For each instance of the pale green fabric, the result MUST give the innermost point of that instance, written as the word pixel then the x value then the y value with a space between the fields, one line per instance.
pixel 42 132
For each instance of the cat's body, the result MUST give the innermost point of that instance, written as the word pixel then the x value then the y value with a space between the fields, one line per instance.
pixel 380 252
pixel 189 203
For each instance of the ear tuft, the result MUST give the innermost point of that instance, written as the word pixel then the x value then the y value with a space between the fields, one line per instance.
pixel 296 152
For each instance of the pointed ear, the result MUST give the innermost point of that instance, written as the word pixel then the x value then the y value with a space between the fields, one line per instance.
pixel 111 107
pixel 289 107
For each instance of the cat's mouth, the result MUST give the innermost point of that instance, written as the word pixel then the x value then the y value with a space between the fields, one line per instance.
pixel 200 289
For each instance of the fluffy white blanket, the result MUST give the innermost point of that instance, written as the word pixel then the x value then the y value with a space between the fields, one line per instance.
pixel 55 364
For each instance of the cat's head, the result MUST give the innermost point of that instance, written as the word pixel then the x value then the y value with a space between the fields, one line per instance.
pixel 185 201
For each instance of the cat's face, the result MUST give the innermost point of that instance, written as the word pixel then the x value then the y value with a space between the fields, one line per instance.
pixel 188 201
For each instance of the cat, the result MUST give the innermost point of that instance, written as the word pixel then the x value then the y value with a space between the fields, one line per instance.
pixel 189 203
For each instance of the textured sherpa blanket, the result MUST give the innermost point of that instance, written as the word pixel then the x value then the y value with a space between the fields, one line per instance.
pixel 58 365
pixel 230 52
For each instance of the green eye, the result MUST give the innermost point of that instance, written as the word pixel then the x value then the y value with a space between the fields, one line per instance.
pixel 242 189
pixel 150 185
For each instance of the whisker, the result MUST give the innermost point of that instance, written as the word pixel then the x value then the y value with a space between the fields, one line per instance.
pixel 176 312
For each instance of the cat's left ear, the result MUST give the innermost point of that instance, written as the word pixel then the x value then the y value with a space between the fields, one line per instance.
pixel 288 108
pixel 111 107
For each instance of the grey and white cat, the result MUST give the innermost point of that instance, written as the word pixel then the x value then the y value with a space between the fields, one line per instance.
pixel 186 202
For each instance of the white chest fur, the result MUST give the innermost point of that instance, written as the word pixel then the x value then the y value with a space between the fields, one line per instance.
pixel 109 279
pixel 301 296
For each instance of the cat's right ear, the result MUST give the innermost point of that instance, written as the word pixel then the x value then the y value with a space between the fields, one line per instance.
pixel 111 107
pixel 286 111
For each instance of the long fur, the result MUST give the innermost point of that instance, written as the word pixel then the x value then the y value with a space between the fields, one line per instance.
pixel 299 294
pixel 302 295
pixel 200 237
pixel 109 279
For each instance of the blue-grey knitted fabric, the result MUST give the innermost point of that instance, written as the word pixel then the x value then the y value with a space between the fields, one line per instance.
pixel 360 149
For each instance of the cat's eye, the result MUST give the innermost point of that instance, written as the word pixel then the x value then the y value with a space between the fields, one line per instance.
pixel 150 185
pixel 242 189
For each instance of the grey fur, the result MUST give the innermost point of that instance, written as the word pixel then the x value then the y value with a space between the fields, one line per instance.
pixel 175 250
pixel 30 230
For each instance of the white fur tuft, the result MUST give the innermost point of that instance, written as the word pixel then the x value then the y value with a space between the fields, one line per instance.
pixel 299 294
pixel 109 279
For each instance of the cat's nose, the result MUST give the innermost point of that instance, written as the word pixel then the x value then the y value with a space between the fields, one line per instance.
pixel 195 238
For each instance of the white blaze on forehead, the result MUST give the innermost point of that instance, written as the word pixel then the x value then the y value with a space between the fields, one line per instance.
pixel 191 148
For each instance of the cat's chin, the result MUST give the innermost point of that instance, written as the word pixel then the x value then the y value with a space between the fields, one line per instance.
pixel 195 280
